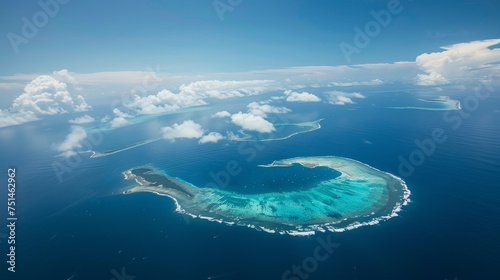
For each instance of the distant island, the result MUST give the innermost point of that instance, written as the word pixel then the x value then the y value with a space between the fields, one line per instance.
pixel 441 103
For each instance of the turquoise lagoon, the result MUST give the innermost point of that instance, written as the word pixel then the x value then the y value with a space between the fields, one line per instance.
pixel 360 195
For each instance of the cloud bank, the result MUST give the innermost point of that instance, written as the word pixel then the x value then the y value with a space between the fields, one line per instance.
pixel 187 129
pixel 42 96
pixel 195 94
pixel 454 64
pixel 73 141
pixel 252 122
pixel 255 118
pixel 293 96
pixel 222 114
pixel 462 62
pixel 342 98
pixel 190 130
pixel 45 95
pixel 262 110
pixel 120 118
pixel 212 137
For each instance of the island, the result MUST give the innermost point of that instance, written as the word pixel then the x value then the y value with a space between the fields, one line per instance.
pixel 441 103
pixel 361 195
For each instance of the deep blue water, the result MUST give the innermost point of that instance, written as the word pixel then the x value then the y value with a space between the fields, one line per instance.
pixel 80 228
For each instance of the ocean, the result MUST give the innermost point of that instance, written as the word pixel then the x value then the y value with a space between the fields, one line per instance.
pixel 74 223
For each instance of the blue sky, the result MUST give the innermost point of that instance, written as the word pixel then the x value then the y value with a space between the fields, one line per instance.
pixel 189 37
pixel 151 57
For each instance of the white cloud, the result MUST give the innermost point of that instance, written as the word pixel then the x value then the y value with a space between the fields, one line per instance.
pixel 47 96
pixel 262 110
pixel 293 96
pixel 81 105
pixel 120 118
pixel 121 114
pixel 187 129
pixel 42 96
pixel 8 118
pixel 164 101
pixel 65 76
pixel 222 114
pixel 226 89
pixel 191 130
pixel 105 119
pixel 195 93
pixel 255 120
pixel 73 141
pixel 233 84
pixel 118 121
pixel 82 120
pixel 431 79
pixel 459 62
pixel 252 122
pixel 342 98
pixel 212 137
